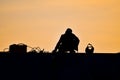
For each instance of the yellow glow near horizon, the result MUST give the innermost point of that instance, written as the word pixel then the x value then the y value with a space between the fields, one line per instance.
pixel 41 22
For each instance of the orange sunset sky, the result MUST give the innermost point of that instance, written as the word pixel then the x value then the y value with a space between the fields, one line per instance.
pixel 41 22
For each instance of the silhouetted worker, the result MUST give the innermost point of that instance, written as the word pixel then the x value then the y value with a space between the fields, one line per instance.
pixel 67 42
pixel 89 49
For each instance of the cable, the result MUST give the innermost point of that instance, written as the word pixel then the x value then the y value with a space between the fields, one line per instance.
pixel 4 50
pixel 33 49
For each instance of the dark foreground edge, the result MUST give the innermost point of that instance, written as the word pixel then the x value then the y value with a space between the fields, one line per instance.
pixel 47 66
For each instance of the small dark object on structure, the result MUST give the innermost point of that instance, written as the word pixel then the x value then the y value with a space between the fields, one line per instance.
pixel 89 49
pixel 18 48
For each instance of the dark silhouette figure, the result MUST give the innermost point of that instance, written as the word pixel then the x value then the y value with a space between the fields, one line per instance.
pixel 89 49
pixel 68 42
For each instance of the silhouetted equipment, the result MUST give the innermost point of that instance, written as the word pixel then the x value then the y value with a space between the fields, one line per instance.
pixel 89 49
pixel 68 42
pixel 18 48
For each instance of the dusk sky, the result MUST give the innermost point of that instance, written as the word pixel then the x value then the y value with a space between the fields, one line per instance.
pixel 41 23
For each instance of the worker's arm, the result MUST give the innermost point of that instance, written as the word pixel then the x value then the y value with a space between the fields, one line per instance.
pixel 58 44
pixel 77 42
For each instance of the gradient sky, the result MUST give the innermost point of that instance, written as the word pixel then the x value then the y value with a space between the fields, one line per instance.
pixel 41 22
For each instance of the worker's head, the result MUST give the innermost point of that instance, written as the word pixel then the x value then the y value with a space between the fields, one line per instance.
pixel 68 31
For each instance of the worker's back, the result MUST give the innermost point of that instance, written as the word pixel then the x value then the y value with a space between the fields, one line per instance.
pixel 67 42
